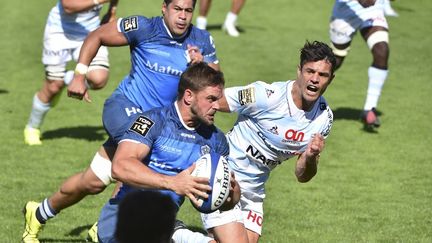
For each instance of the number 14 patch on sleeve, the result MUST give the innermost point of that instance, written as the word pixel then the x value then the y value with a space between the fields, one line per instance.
pixel 142 125
pixel 130 23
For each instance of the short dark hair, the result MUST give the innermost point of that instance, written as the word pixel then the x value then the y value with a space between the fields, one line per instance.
pixel 199 76
pixel 145 216
pixel 316 51
pixel 167 2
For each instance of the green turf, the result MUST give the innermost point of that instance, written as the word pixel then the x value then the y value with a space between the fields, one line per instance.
pixel 371 187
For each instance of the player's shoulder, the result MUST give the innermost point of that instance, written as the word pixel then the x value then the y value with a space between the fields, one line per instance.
pixel 200 35
pixel 158 114
pixel 272 91
pixel 324 109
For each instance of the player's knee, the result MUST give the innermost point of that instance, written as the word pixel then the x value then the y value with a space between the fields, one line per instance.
pixel 52 87
pixel 378 40
pixel 95 187
pixel 340 50
pixel 98 73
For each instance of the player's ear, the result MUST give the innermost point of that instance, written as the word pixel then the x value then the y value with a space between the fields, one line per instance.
pixel 164 6
pixel 188 96
pixel 299 70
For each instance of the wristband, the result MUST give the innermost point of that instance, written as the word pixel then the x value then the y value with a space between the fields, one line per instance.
pixel 81 69
pixel 96 2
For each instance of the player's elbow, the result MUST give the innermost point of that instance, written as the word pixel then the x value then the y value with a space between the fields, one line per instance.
pixel 117 171
pixel 70 9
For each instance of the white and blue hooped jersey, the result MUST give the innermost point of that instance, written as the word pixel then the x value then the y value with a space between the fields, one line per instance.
pixel 270 129
pixel 76 25
pixel 174 146
pixel 158 59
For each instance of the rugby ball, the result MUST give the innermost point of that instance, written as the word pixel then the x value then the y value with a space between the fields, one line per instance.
pixel 215 167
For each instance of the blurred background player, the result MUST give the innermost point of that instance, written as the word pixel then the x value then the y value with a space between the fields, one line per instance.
pixel 368 17
pixel 388 10
pixel 138 206
pixel 276 122
pixel 68 24
pixel 161 48
pixel 230 22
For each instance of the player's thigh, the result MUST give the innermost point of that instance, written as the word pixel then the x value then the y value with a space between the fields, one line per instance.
pixel 344 22
pixel 230 232
pixel 222 219
pixel 57 48
pixel 253 237
pixel 252 211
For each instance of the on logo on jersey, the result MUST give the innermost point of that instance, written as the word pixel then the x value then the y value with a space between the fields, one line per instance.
pixel 246 96
pixel 142 125
pixel 130 23
pixel 294 135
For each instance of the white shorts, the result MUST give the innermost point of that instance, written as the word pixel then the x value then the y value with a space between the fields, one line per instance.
pixel 60 49
pixel 350 16
pixel 249 211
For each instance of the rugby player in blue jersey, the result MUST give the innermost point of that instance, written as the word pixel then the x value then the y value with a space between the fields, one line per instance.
pixel 159 147
pixel 161 49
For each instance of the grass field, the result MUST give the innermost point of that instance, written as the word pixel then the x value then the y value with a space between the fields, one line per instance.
pixel 371 187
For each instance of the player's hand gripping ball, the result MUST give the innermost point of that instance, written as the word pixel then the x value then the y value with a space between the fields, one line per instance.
pixel 215 167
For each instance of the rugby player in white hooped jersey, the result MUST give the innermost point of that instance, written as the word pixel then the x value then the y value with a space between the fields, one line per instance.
pixel 367 16
pixel 276 122
pixel 68 24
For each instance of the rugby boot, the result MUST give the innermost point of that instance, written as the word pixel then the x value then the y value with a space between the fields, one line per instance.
pixel 32 136
pixel 32 225
pixel 92 234
pixel 370 119
pixel 230 29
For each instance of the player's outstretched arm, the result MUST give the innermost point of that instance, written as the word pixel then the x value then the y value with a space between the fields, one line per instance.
pixel 306 166
pixel 107 35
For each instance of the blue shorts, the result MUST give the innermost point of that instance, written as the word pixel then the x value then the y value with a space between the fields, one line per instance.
pixel 107 222
pixel 118 115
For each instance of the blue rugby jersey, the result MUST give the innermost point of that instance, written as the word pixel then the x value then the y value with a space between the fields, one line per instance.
pixel 174 146
pixel 158 59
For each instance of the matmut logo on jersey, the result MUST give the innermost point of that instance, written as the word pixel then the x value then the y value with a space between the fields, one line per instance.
pixel 162 69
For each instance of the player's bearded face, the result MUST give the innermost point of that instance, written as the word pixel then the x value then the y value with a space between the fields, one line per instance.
pixel 313 79
pixel 178 16
pixel 206 103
